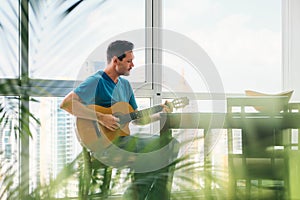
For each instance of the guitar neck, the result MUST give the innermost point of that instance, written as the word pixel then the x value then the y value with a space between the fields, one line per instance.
pixel 148 111
pixel 176 103
pixel 139 114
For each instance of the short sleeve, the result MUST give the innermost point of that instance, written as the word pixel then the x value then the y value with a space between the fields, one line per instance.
pixel 132 100
pixel 87 90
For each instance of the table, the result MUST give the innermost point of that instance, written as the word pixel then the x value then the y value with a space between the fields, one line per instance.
pixel 207 121
pixel 228 120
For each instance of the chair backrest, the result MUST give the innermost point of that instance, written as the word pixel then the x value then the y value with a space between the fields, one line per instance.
pixel 263 104
pixel 257 141
pixel 262 146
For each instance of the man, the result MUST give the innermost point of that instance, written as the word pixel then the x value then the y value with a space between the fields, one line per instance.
pixel 106 88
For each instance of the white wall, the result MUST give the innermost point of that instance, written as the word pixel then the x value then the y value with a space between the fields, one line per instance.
pixel 291 47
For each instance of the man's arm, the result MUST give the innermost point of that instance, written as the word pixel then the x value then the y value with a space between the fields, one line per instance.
pixel 73 105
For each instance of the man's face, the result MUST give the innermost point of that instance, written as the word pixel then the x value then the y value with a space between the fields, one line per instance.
pixel 123 67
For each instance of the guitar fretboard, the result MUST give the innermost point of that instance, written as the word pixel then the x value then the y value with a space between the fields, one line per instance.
pixel 176 103
pixel 125 118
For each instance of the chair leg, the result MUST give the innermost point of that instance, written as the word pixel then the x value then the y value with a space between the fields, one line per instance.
pixel 260 187
pixel 248 188
pixel 106 181
pixel 232 188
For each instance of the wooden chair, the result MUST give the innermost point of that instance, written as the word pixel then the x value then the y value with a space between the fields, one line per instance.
pixel 293 151
pixel 96 177
pixel 256 151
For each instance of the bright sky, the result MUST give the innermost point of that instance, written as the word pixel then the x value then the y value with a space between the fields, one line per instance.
pixel 242 37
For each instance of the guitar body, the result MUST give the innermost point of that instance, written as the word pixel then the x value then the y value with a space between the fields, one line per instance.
pixel 94 136
pixel 90 133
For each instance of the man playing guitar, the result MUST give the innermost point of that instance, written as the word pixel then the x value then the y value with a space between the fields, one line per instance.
pixel 106 89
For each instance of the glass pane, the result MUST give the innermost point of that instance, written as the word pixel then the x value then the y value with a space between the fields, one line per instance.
pixel 9 150
pixel 243 39
pixel 9 58
pixel 53 145
pixel 180 76
pixel 60 47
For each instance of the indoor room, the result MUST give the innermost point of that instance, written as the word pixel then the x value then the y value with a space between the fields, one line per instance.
pixel 149 99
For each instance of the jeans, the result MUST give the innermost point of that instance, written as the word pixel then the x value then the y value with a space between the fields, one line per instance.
pixel 152 184
pixel 151 164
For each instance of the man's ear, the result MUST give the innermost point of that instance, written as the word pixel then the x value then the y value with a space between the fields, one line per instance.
pixel 115 59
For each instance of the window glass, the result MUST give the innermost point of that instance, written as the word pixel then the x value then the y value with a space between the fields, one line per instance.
pixel 54 143
pixel 59 46
pixel 179 75
pixel 195 145
pixel 9 140
pixel 243 39
pixel 9 59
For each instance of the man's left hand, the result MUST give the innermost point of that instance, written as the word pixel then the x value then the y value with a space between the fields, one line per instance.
pixel 167 107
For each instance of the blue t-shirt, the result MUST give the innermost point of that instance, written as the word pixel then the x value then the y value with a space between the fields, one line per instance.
pixel 100 89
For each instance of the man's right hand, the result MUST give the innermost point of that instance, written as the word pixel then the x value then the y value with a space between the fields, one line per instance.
pixel 109 121
pixel 72 104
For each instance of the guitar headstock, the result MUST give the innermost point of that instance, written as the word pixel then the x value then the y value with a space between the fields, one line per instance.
pixel 180 102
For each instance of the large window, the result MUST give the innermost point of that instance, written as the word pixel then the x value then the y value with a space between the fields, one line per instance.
pixel 71 46
pixel 239 43
pixel 221 46
pixel 62 37
pixel 243 39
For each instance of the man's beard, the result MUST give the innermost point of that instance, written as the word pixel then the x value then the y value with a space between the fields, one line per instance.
pixel 127 73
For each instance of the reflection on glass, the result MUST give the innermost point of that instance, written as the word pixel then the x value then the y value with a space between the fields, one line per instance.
pixel 60 46
pixel 54 142
pixel 198 145
pixel 9 140
pixel 9 43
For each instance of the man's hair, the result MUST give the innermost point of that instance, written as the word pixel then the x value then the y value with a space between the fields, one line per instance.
pixel 118 48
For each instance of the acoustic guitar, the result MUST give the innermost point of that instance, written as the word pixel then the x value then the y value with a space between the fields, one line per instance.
pixel 92 134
